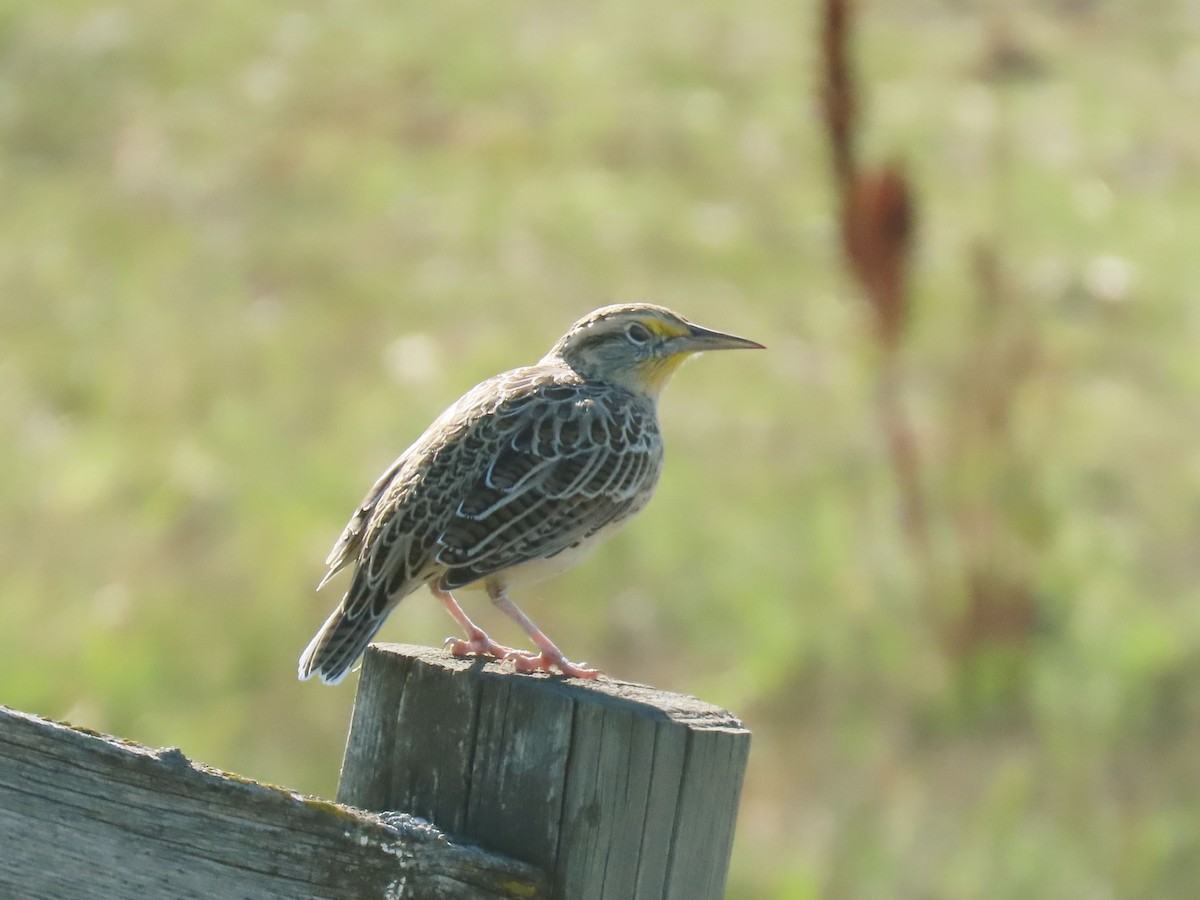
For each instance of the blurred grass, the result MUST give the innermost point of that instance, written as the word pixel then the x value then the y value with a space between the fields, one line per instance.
pixel 248 252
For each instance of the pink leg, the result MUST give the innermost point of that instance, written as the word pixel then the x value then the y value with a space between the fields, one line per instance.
pixel 550 655
pixel 477 643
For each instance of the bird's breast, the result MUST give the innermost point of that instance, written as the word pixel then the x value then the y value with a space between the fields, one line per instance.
pixel 543 568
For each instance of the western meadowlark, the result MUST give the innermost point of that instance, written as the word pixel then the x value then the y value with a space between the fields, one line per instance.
pixel 513 483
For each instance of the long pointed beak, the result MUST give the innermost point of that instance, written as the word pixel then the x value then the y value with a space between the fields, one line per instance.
pixel 700 340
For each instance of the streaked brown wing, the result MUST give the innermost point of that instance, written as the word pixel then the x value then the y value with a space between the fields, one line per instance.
pixel 350 542
pixel 372 523
pixel 565 467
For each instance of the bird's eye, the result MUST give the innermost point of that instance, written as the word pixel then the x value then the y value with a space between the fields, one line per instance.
pixel 637 333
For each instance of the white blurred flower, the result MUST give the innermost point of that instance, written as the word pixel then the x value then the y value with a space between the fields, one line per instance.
pixel 1108 278
pixel 413 360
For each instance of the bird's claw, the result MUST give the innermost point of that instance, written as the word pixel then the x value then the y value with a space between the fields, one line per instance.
pixel 542 662
pixel 478 644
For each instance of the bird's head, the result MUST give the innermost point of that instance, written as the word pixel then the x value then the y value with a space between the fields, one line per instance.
pixel 638 345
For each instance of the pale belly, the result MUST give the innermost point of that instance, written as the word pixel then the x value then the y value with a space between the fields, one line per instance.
pixel 540 569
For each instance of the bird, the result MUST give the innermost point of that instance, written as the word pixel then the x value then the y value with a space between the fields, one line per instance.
pixel 515 482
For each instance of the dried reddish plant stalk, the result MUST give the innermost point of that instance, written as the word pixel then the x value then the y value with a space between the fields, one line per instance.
pixel 876 207
pixel 837 95
pixel 877 216
pixel 877 226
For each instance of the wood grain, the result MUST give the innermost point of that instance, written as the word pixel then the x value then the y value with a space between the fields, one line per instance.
pixel 616 789
pixel 86 815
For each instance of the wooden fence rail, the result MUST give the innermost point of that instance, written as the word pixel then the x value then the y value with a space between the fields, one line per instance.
pixel 576 790
pixel 85 815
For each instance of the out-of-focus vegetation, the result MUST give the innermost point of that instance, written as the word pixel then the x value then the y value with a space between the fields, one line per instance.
pixel 248 251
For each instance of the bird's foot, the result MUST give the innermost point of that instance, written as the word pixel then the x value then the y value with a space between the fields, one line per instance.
pixel 542 662
pixel 478 644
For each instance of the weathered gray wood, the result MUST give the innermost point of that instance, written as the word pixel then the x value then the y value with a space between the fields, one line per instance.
pixel 85 815
pixel 616 789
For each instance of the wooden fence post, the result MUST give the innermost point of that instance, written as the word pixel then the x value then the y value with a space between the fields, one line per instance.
pixel 613 789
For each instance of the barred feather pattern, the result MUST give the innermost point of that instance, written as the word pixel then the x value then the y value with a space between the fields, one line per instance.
pixel 528 465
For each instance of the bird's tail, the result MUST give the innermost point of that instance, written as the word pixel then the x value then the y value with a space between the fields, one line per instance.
pixel 339 644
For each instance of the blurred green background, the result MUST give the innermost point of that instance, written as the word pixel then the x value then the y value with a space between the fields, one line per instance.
pixel 248 251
